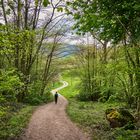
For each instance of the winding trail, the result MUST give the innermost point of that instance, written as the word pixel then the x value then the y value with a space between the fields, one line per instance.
pixel 50 122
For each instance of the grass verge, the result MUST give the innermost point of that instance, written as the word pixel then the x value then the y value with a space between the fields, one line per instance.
pixel 16 118
pixel 13 127
pixel 91 115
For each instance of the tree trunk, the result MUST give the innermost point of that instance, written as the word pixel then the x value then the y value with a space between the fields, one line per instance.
pixel 4 12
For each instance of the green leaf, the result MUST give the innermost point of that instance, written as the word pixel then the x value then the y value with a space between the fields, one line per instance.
pixel 136 7
pixel 8 12
pixel 60 9
pixel 46 2
pixel 36 2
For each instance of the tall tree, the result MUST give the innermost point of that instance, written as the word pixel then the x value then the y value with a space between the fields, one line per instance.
pixel 113 21
pixel 26 32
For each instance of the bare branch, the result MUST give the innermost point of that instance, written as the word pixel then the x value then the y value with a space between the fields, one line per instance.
pixel 4 12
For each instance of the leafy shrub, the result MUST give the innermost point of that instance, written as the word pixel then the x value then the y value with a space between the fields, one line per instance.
pixel 36 99
pixel 83 96
pixel 107 92
pixel 112 98
pixel 34 87
pixel 86 95
pixel 115 97
pixel 10 85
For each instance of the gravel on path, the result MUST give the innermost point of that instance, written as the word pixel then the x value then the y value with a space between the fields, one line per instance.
pixel 50 122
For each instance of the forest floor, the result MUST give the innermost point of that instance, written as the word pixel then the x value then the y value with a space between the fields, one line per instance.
pixel 50 122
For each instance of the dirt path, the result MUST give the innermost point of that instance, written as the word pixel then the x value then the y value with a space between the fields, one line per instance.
pixel 50 122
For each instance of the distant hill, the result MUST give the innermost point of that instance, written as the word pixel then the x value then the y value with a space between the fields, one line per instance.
pixel 69 50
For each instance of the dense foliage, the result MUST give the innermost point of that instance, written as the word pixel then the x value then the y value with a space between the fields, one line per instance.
pixel 27 70
pixel 109 69
pixel 109 73
pixel 91 116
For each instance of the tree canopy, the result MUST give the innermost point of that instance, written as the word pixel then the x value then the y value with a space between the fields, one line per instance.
pixel 111 20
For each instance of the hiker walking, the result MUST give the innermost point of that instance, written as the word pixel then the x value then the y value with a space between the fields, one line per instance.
pixel 56 97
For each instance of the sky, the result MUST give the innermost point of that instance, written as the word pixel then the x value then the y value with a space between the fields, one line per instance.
pixel 70 36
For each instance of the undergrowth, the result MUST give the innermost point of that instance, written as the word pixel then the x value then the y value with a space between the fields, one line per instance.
pixel 90 116
pixel 14 116
pixel 14 125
